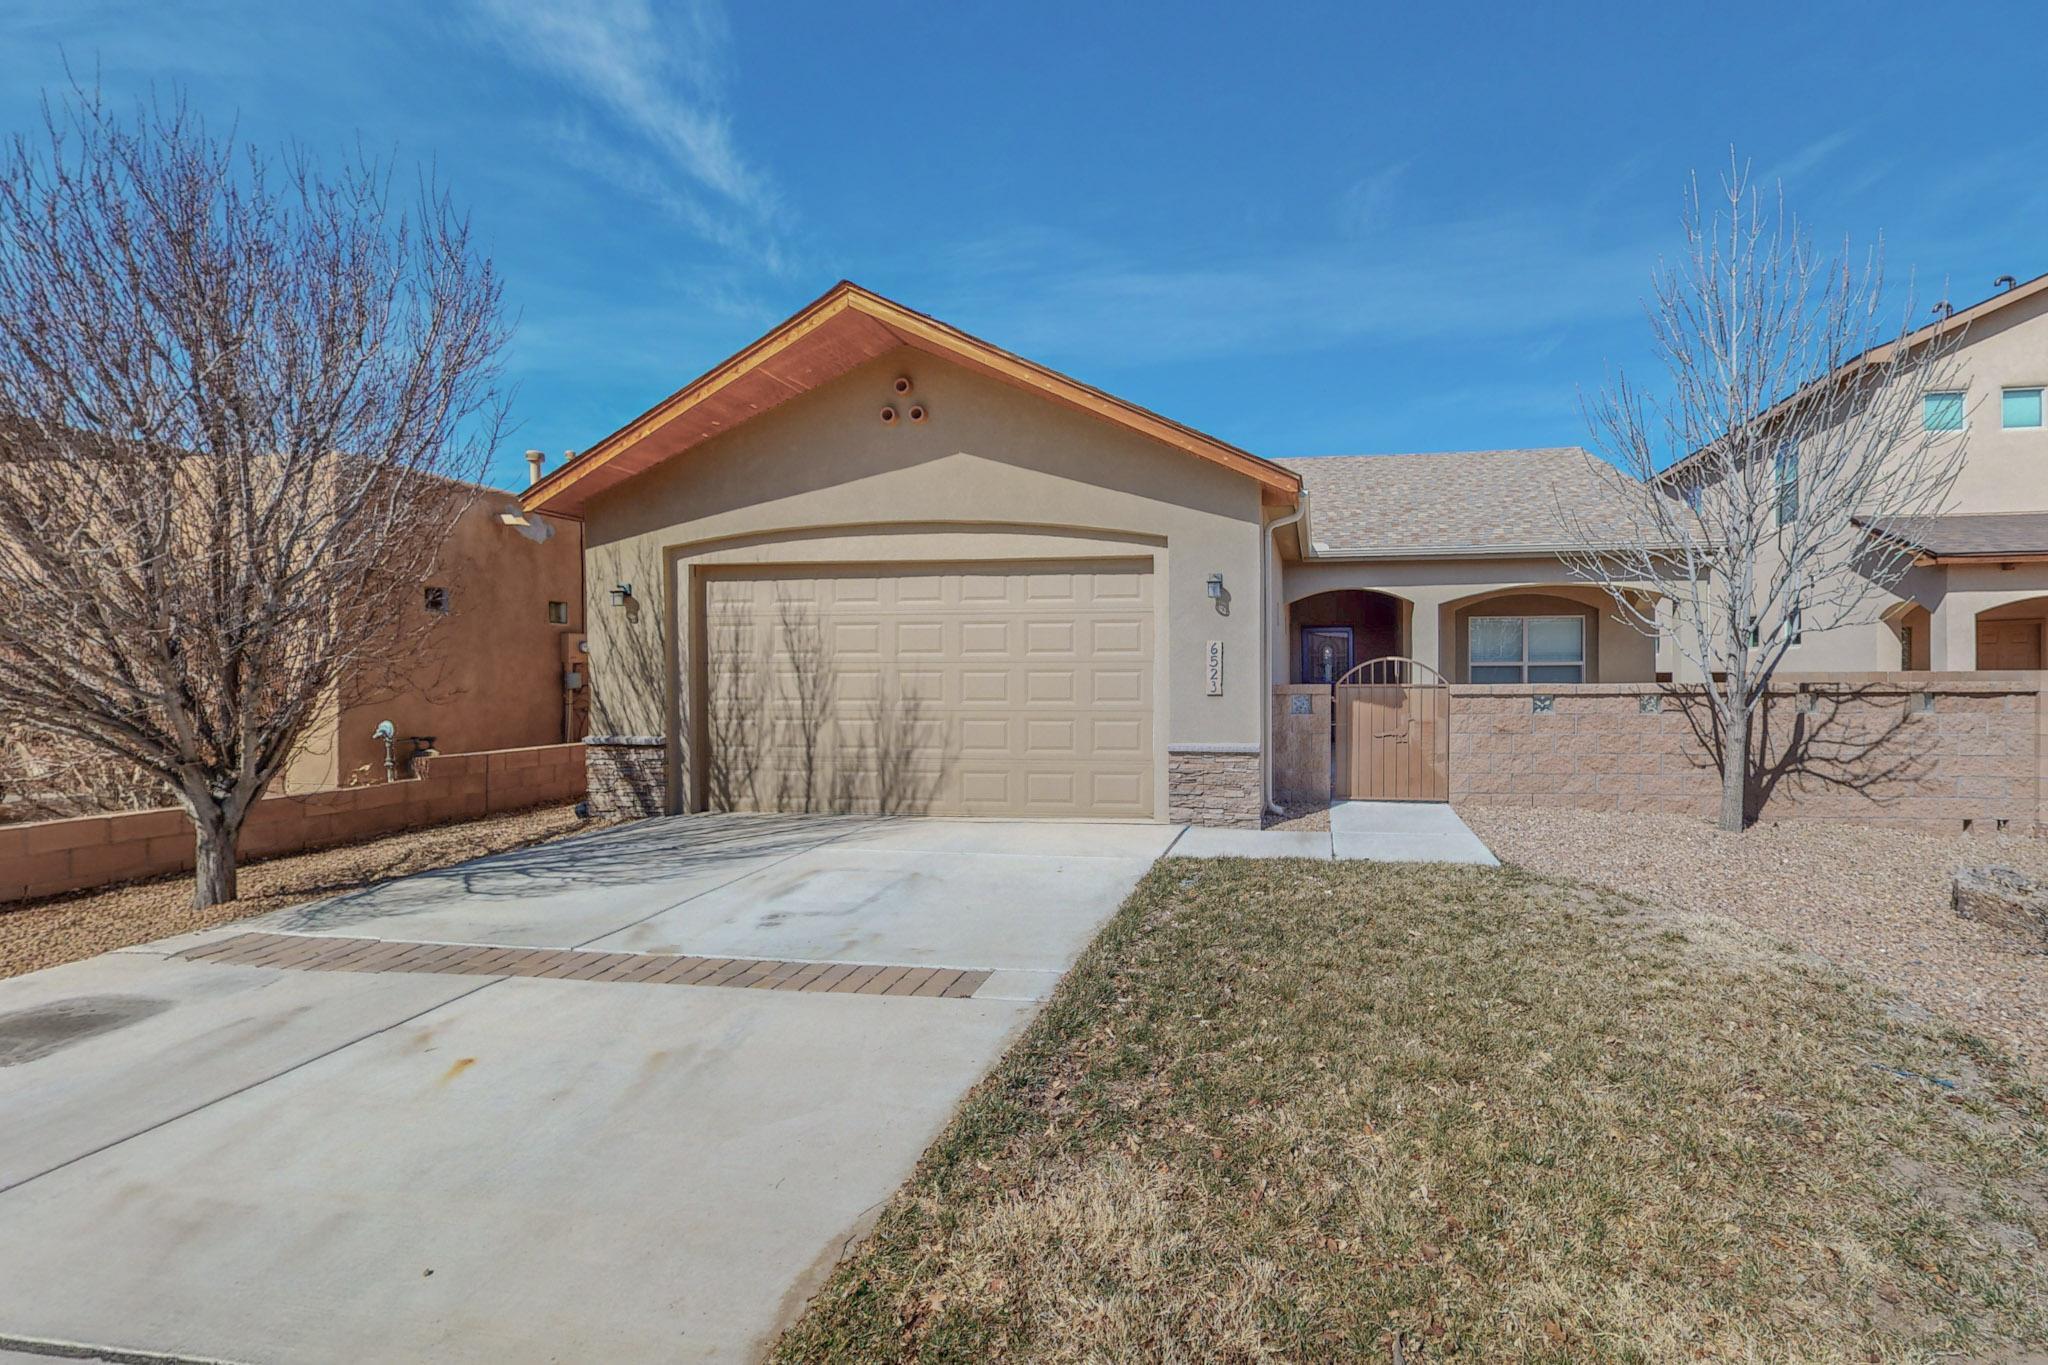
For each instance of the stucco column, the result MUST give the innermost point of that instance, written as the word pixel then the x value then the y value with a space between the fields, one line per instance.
pixel 1952 634
pixel 1424 635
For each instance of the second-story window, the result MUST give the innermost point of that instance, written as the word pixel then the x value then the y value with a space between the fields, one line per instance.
pixel 558 613
pixel 1788 482
pixel 1942 411
pixel 2020 409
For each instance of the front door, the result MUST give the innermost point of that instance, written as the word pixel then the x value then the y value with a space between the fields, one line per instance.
pixel 1325 653
pixel 2008 644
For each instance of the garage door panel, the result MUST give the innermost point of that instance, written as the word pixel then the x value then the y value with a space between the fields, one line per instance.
pixel 985 639
pixel 981 691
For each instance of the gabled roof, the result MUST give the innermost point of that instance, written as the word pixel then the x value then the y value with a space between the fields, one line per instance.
pixel 1456 503
pixel 843 329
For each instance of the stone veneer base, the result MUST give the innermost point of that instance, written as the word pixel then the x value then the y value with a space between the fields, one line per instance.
pixel 628 776
pixel 1214 786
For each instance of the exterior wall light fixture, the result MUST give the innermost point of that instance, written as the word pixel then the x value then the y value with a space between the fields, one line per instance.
pixel 1216 587
pixel 622 594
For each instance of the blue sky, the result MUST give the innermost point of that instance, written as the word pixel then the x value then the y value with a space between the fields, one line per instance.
pixel 1304 229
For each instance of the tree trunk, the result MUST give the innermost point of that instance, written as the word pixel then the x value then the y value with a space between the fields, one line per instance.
pixel 216 832
pixel 1735 769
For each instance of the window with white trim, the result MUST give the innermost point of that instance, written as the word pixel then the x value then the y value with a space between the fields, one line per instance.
pixel 1526 649
pixel 2020 409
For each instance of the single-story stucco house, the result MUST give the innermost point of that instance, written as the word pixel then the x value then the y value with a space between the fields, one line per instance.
pixel 874 563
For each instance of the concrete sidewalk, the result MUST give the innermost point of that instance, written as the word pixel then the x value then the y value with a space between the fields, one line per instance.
pixel 1377 831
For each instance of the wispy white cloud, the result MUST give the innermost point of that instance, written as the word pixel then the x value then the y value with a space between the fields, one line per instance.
pixel 1807 158
pixel 659 81
pixel 1510 275
pixel 1369 203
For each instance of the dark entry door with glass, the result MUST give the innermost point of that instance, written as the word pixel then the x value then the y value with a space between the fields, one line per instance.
pixel 1325 653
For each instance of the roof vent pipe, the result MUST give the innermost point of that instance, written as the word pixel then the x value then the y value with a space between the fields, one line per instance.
pixel 2006 282
pixel 534 460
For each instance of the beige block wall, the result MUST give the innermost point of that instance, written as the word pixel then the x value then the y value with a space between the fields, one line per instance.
pixel 1862 754
pixel 995 474
pixel 49 857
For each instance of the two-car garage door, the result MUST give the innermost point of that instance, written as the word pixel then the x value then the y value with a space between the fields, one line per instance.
pixel 983 689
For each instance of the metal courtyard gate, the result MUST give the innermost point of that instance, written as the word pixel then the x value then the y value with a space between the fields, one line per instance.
pixel 1392 733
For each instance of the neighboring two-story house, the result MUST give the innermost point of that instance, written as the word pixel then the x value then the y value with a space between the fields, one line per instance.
pixel 1976 592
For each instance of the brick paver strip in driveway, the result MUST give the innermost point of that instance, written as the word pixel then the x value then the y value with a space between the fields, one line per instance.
pixel 307 953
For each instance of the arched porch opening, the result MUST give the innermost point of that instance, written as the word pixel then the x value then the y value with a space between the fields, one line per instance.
pixel 1331 631
pixel 1544 633
pixel 2009 636
pixel 1912 628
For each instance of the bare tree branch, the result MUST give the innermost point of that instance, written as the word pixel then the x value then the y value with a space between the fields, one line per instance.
pixel 1791 419
pixel 240 405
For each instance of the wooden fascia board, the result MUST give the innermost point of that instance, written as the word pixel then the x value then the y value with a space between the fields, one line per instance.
pixel 1277 485
pixel 694 394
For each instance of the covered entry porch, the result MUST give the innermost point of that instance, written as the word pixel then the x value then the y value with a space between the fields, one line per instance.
pixel 1531 631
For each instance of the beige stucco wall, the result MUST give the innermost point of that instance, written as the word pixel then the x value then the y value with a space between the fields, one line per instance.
pixel 1441 592
pixel 2003 471
pixel 490 673
pixel 996 473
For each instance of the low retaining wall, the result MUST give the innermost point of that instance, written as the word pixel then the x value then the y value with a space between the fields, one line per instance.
pixel 1911 750
pixel 52 856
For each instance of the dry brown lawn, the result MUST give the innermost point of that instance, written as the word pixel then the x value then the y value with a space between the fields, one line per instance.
pixel 1309 1111
pixel 41 934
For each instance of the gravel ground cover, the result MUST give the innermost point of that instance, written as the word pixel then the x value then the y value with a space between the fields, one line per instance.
pixel 1293 1110
pixel 38 934
pixel 1300 815
pixel 1872 900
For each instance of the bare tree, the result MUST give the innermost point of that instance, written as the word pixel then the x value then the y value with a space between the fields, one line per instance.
pixel 237 401
pixel 1789 426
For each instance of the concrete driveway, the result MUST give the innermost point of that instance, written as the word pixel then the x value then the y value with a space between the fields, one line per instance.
pixel 640 1122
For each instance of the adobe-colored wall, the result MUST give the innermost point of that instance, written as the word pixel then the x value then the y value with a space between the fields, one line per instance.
pixel 1861 755
pixel 53 856
pixel 491 673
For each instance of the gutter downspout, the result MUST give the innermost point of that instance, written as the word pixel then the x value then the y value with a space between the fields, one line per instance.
pixel 1269 573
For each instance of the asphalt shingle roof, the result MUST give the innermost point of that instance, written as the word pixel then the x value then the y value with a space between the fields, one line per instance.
pixel 1458 500
pixel 1969 533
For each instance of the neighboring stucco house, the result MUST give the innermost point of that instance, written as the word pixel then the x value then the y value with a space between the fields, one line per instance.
pixel 1977 593
pixel 873 562
pixel 508 601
